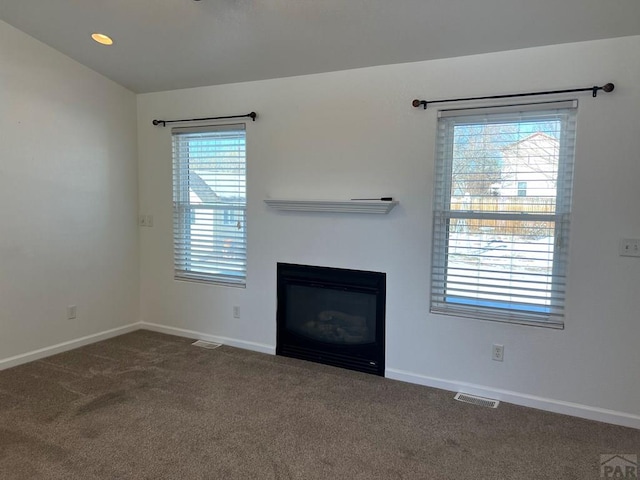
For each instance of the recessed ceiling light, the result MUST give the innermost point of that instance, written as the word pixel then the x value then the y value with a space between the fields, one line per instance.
pixel 102 38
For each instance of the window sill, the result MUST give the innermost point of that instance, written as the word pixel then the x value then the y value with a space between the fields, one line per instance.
pixel 514 319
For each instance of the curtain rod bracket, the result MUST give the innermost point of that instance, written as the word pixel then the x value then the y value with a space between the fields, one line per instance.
pixel 416 103
pixel 594 92
pixel 251 115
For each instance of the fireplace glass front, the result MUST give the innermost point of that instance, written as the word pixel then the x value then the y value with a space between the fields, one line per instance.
pixel 332 316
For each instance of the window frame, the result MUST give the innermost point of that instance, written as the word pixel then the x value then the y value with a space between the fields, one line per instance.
pixel 213 269
pixel 484 308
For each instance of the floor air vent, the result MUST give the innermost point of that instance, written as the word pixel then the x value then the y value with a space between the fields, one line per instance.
pixel 482 402
pixel 204 344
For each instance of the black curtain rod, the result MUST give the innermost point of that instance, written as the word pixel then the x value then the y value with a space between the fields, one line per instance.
pixel 606 88
pixel 251 115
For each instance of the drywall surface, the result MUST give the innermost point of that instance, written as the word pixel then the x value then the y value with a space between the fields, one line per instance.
pixel 355 134
pixel 68 190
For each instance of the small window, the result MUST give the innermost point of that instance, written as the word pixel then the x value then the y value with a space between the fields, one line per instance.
pixel 501 213
pixel 209 203
pixel 522 189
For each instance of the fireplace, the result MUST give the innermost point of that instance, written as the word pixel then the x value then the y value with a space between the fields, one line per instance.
pixel 332 316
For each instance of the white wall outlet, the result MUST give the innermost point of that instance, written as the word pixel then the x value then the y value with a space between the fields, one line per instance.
pixel 630 247
pixel 145 220
pixel 236 311
pixel 497 352
pixel 72 312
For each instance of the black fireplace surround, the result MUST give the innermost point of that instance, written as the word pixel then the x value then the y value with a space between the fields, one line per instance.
pixel 332 316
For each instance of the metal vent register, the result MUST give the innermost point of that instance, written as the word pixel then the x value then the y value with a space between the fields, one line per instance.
pixel 205 344
pixel 482 402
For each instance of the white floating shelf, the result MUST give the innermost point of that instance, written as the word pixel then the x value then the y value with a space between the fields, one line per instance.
pixel 344 206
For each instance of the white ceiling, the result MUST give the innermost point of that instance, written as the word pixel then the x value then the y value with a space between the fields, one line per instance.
pixel 170 44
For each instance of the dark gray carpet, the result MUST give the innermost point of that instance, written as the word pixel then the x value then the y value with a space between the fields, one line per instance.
pixel 151 406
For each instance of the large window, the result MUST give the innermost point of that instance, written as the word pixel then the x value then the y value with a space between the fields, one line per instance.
pixel 209 204
pixel 501 213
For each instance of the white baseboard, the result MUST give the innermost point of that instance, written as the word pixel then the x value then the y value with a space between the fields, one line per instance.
pixel 232 342
pixel 65 346
pixel 523 399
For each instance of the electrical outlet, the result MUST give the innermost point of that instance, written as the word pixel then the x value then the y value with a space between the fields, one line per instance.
pixel 145 220
pixel 72 312
pixel 497 352
pixel 629 247
pixel 236 311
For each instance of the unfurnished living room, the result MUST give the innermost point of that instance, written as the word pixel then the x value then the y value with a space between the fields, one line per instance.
pixel 291 239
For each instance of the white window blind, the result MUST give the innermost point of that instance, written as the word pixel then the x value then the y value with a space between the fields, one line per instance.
pixel 209 204
pixel 501 213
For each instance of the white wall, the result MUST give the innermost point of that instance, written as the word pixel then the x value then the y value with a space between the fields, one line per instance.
pixel 354 134
pixel 68 190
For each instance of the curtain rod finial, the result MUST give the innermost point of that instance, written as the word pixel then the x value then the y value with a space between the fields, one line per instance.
pixel 416 103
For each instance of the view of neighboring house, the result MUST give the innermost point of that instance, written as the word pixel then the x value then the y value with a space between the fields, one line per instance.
pixel 530 167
